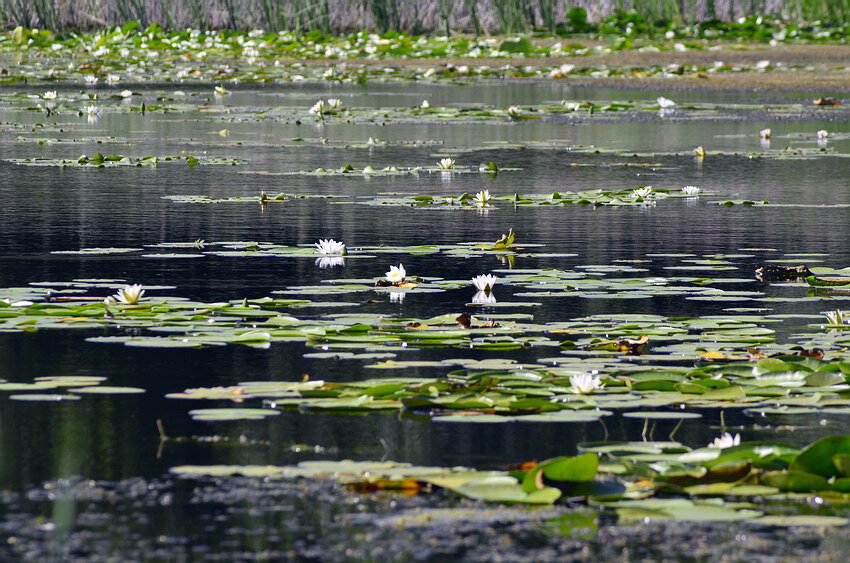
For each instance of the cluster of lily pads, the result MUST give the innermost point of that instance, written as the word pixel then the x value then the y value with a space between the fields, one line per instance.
pixel 729 480
pixel 131 54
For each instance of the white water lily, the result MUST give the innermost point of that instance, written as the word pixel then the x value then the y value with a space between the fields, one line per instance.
pixel 23 303
pixel 126 93
pixel 584 384
pixel 220 91
pixel 482 198
pixel 330 246
pixel 334 103
pixel 484 282
pixel 690 190
pixel 835 317
pixel 49 95
pixel 128 295
pixel 572 106
pixel 425 104
pixel 642 193
pixel 665 103
pixel 483 298
pixel 726 441
pixel 513 111
pixel 823 134
pixel 330 261
pixel 318 108
pixel 93 111
pixel 91 80
pixel 396 274
pixel 699 152
pixel 112 79
pixel 764 134
pixel 446 163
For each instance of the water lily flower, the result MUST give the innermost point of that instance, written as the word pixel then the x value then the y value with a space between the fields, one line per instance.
pixel 330 246
pixel 585 384
pixel 318 107
pixel 483 298
pixel 112 79
pixel 330 261
pixel 513 112
pixel 764 134
pixel 334 103
pixel 835 317
pixel 425 104
pixel 49 95
pixel 23 303
pixel 446 163
pixel 690 190
pixel 572 106
pixel 726 441
pixel 91 80
pixel 699 152
pixel 92 111
pixel 823 134
pixel 642 193
pixel 396 274
pixel 482 198
pixel 665 103
pixel 126 93
pixel 220 91
pixel 484 282
pixel 129 295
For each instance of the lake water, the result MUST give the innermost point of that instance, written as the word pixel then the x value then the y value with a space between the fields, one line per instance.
pixel 114 438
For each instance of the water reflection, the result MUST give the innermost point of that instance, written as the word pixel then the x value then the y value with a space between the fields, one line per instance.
pixel 330 261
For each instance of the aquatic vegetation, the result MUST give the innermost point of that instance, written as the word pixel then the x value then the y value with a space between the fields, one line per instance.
pixel 484 282
pixel 482 198
pixel 665 103
pixel 836 317
pixel 823 134
pixel 330 246
pixel 699 152
pixel 128 295
pixel 690 190
pixel 585 384
pixel 396 274
pixel 643 192
pixel 764 134
pixel 726 441
pixel 446 163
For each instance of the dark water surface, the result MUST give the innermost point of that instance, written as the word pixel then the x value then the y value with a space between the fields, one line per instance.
pixel 114 438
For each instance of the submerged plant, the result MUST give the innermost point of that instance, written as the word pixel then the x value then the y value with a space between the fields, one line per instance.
pixel 128 295
pixel 585 384
pixel 446 163
pixel 330 246
pixel 726 441
pixel 484 282
pixel 396 274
